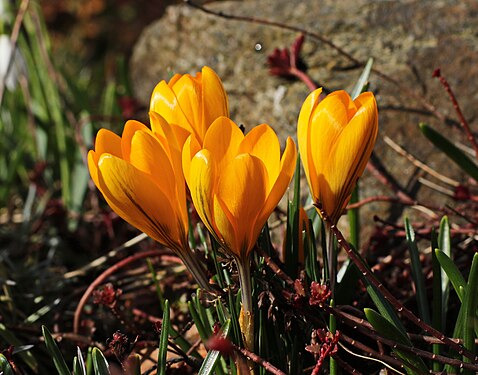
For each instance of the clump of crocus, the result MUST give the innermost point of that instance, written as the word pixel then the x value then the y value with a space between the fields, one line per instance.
pixel 336 137
pixel 236 181
pixel 141 178
pixel 192 103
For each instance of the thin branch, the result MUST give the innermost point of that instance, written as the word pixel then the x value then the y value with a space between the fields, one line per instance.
pixel 463 122
pixel 260 361
pixel 401 151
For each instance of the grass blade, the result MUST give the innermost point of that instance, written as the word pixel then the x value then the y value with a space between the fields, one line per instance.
pixel 213 356
pixel 470 305
pixel 453 152
pixel 363 79
pixel 451 270
pixel 163 340
pixel 100 364
pixel 52 348
pixel 389 331
pixel 417 273
pixel 79 367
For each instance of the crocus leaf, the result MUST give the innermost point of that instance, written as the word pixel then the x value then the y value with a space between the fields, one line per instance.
pixel 388 330
pixel 456 278
pixel 213 356
pixel 163 340
pixel 453 152
pixel 417 273
pixel 100 364
pixel 52 348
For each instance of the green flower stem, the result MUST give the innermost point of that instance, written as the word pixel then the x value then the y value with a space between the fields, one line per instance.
pixel 196 269
pixel 332 327
pixel 332 260
pixel 246 320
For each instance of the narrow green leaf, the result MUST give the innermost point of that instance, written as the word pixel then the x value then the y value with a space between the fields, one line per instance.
pixel 198 321
pixel 79 367
pixel 453 152
pixel 100 364
pixel 438 311
pixel 444 244
pixel 451 270
pixel 52 348
pixel 163 340
pixel 470 304
pixel 5 367
pixel 159 292
pixel 413 363
pixel 417 273
pixel 363 79
pixel 213 356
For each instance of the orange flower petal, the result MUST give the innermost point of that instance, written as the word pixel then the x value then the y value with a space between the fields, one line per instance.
pixel 223 139
pixel 139 201
pixel 262 142
pixel 242 191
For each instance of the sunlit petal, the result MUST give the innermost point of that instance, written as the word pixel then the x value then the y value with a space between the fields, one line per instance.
pixel 242 188
pixel 263 143
pixel 214 99
pixel 137 199
pixel 287 169
pixel 223 139
pixel 202 181
pixel 107 141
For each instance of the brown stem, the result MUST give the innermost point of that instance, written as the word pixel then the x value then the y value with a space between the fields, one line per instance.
pixel 101 278
pixel 463 122
pixel 256 359
pixel 388 296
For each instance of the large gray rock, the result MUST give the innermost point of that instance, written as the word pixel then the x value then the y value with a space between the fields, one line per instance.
pixel 408 40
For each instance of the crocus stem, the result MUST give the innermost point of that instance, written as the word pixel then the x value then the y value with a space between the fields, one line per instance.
pixel 246 320
pixel 196 269
pixel 332 329
pixel 332 260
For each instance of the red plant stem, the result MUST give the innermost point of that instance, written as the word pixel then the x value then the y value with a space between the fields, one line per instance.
pixel 260 361
pixel 304 77
pixel 403 88
pixel 388 296
pixel 463 122
pixel 365 328
pixel 108 272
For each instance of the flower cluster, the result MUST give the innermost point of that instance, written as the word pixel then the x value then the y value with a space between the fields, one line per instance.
pixel 235 180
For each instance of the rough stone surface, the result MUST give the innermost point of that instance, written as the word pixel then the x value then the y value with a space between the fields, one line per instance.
pixel 407 39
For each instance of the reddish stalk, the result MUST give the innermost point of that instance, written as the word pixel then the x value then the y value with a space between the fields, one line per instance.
pixel 463 122
pixel 388 296
pixel 101 278
pixel 260 361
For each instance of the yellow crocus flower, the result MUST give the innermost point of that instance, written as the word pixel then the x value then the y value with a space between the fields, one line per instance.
pixel 236 181
pixel 336 136
pixel 140 176
pixel 192 103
